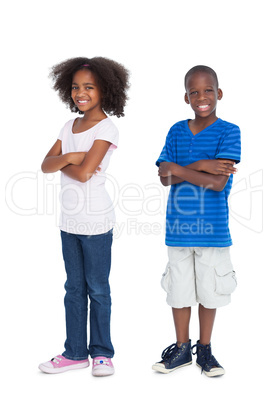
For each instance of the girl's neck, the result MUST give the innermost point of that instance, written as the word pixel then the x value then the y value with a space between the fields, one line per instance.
pixel 88 121
pixel 93 116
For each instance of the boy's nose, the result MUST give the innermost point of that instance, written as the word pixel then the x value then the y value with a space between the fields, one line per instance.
pixel 202 95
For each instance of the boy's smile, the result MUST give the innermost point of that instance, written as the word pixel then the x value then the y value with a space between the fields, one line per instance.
pixel 202 94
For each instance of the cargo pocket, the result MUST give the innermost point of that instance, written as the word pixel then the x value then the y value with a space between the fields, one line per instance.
pixel 165 281
pixel 225 278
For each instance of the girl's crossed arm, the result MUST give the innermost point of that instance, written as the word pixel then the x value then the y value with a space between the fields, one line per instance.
pixel 211 173
pixel 84 171
pixel 55 161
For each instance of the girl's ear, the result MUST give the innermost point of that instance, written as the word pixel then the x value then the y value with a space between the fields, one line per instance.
pixel 220 94
pixel 186 98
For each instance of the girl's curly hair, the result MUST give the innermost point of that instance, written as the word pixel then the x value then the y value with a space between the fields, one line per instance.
pixel 112 79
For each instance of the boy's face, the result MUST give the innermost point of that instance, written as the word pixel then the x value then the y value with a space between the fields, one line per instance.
pixel 202 93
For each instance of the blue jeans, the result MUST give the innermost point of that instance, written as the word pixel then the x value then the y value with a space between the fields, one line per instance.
pixel 87 263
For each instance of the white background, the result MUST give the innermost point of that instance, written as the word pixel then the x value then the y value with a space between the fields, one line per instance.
pixel 158 41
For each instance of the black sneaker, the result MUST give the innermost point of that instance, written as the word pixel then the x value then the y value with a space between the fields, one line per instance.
pixel 206 361
pixel 174 357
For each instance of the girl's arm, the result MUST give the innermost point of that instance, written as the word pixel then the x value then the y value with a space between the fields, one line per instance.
pixel 218 172
pixel 88 167
pixel 55 161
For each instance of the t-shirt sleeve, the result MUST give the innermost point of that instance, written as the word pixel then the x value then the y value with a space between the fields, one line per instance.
pixel 108 132
pixel 60 134
pixel 167 152
pixel 64 129
pixel 230 147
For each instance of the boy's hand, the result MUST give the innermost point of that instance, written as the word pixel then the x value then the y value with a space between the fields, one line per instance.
pixel 218 166
pixel 165 169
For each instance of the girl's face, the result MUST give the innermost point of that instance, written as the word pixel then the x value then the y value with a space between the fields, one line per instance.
pixel 85 91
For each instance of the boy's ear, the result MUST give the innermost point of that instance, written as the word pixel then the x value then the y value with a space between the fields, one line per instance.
pixel 220 94
pixel 186 98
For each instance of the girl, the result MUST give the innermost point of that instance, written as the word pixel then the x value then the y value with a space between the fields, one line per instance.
pixel 91 87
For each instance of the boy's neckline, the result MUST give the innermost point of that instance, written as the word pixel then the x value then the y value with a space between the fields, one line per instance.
pixel 201 131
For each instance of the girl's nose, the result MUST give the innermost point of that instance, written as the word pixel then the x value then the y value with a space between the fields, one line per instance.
pixel 80 91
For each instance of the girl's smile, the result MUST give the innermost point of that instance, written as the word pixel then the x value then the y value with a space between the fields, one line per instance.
pixel 85 92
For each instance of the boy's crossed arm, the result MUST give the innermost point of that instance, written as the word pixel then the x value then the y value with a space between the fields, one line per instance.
pixel 209 173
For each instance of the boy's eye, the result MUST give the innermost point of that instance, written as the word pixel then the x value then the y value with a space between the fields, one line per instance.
pixel 193 93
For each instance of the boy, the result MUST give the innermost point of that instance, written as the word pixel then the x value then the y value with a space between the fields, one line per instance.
pixel 198 162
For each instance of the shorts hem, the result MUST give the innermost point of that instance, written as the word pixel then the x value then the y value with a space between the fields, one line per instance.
pixel 208 305
pixel 181 305
pixel 214 305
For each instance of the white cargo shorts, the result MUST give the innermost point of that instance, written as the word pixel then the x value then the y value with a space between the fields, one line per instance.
pixel 202 275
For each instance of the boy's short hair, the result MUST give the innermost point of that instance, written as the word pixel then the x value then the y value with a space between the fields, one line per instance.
pixel 111 77
pixel 201 68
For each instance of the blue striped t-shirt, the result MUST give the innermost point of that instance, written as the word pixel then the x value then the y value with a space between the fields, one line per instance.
pixel 197 216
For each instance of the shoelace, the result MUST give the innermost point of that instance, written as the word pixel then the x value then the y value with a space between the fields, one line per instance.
pixel 167 353
pixel 206 356
pixel 56 359
pixel 197 345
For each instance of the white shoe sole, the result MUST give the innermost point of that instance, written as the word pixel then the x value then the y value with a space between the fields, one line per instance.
pixel 102 373
pixel 52 370
pixel 161 368
pixel 214 372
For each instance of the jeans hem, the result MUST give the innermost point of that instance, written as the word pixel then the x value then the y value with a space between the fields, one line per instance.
pixel 74 358
pixel 103 355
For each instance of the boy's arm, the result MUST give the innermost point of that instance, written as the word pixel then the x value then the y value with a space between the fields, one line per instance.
pixel 216 178
pixel 169 180
pixel 88 167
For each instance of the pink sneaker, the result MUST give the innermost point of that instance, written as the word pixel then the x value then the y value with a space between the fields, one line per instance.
pixel 102 366
pixel 59 364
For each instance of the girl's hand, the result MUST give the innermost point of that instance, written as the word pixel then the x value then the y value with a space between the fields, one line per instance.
pixel 98 170
pixel 165 169
pixel 76 158
pixel 218 166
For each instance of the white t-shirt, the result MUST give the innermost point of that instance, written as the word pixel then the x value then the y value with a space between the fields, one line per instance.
pixel 86 208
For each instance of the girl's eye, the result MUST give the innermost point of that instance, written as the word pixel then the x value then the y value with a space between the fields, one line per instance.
pixel 74 88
